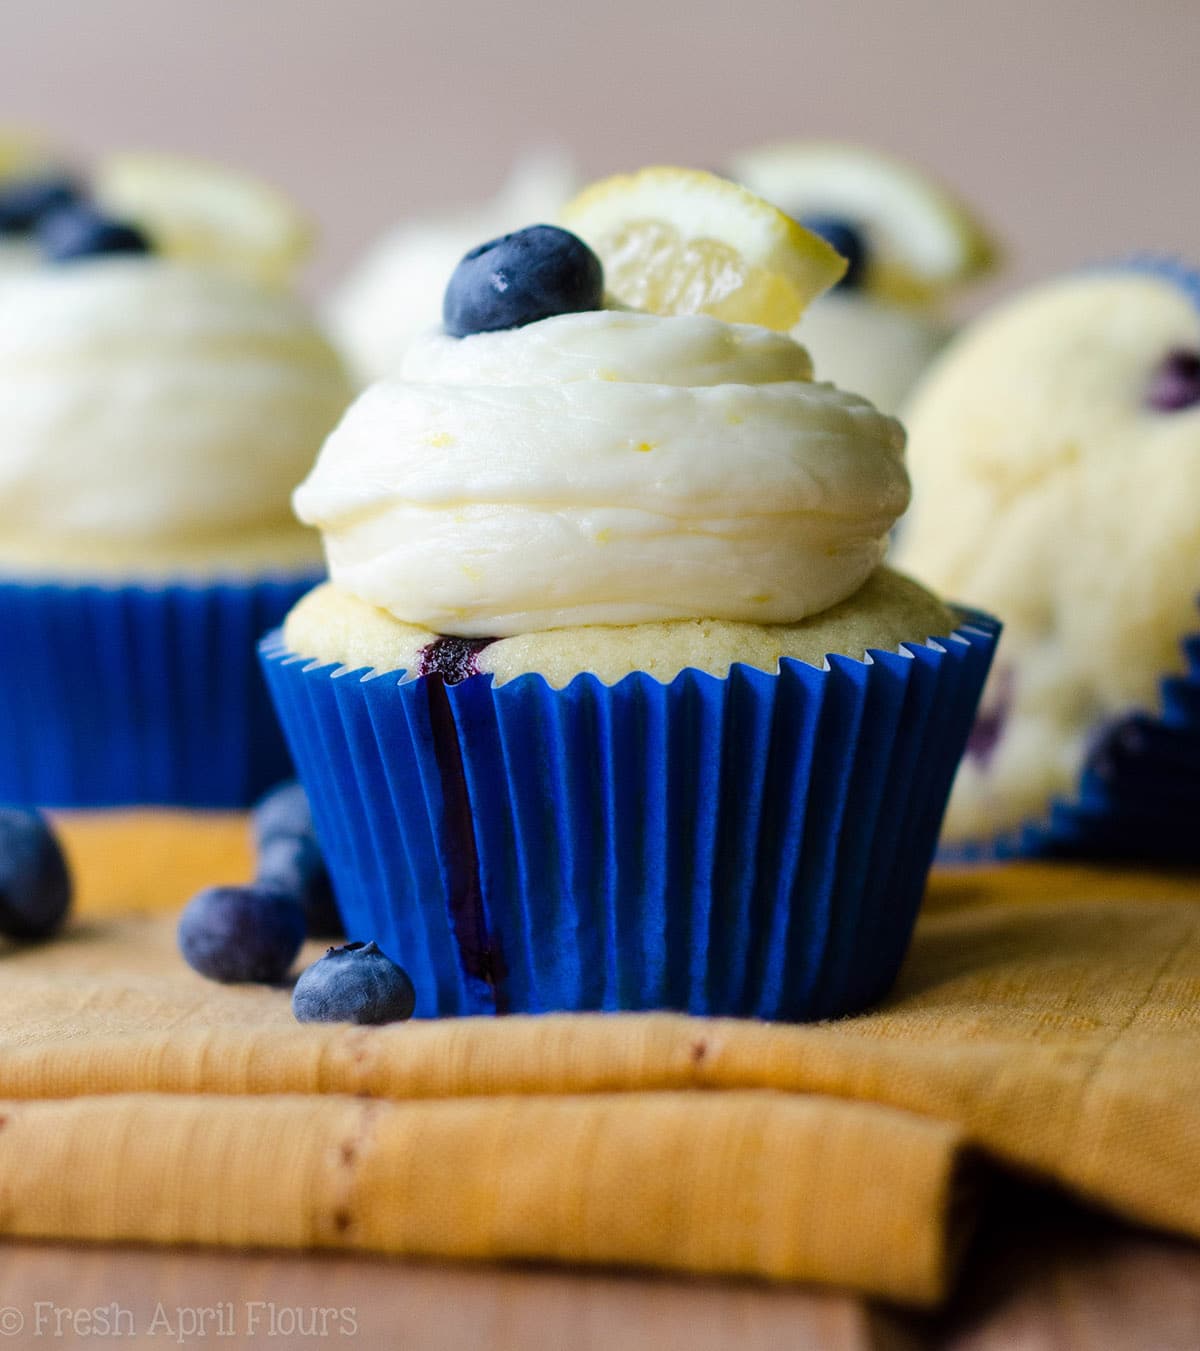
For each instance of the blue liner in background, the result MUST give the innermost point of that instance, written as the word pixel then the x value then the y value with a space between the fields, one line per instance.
pixel 755 845
pixel 1138 800
pixel 120 695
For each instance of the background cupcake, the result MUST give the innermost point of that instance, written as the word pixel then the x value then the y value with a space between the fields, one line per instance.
pixel 394 293
pixel 564 713
pixel 161 392
pixel 912 247
pixel 1055 451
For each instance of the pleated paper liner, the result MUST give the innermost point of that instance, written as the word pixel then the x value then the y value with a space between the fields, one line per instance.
pixel 753 845
pixel 1137 798
pixel 116 695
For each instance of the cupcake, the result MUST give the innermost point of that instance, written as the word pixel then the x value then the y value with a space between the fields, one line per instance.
pixel 155 415
pixel 1055 450
pixel 395 292
pixel 910 245
pixel 608 702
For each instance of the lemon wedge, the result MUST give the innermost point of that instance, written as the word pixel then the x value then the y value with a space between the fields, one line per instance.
pixel 201 213
pixel 922 239
pixel 681 241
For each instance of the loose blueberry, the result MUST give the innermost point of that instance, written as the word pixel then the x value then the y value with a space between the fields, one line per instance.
pixel 293 864
pixel 1176 382
pixel 241 933
pixel 848 240
pixel 81 231
pixel 25 201
pixel 35 887
pixel 521 278
pixel 354 984
pixel 282 811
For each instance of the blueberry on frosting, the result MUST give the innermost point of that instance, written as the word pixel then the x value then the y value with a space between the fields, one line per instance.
pixel 82 231
pixel 848 240
pixel 520 278
pixel 25 201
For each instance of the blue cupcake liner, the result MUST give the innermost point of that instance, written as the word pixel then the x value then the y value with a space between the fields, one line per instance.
pixel 1137 798
pixel 123 695
pixel 754 845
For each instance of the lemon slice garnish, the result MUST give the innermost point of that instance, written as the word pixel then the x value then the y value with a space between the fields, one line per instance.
pixel 201 213
pixel 922 239
pixel 681 241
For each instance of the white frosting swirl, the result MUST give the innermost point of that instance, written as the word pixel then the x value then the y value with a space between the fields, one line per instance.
pixel 605 468
pixel 142 400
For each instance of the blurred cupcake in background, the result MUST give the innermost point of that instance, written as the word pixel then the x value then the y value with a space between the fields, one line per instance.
pixel 395 292
pixel 910 244
pixel 609 702
pixel 161 393
pixel 1055 450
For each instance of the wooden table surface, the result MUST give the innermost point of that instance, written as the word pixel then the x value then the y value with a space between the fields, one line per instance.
pixel 1042 1275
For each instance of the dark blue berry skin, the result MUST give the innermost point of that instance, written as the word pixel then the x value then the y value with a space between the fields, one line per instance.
pixel 242 933
pixel 81 231
pixel 293 864
pixel 520 278
pixel 354 984
pixel 282 811
pixel 35 886
pixel 290 859
pixel 26 201
pixel 848 240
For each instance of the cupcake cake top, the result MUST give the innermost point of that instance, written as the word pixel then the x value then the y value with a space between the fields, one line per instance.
pixel 561 464
pixel 1055 448
pixel 155 401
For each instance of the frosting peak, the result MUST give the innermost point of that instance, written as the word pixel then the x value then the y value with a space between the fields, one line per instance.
pixel 605 468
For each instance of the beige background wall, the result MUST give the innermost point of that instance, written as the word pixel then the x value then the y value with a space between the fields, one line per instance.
pixel 1074 126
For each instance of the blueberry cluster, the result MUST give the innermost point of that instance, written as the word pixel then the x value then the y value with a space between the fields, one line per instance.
pixel 254 932
pixel 53 209
pixel 520 278
pixel 35 886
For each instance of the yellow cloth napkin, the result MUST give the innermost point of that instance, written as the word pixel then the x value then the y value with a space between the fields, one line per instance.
pixel 1048 1019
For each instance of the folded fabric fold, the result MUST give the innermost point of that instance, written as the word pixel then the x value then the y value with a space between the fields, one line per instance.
pixel 742 1183
pixel 1047 1020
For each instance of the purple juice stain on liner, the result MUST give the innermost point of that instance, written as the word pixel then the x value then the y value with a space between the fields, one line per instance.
pixel 990 722
pixel 447 661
